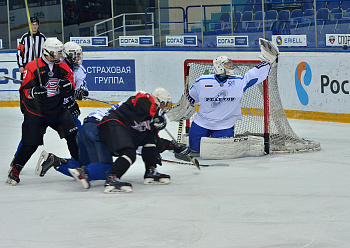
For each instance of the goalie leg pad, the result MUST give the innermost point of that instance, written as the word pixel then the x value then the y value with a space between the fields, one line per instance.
pixel 227 148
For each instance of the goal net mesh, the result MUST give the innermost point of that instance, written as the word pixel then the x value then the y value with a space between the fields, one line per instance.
pixel 282 137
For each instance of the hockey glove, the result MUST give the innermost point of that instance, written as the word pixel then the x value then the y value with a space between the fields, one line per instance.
pixel 73 107
pixel 180 148
pixel 38 92
pixel 66 87
pixel 80 93
pixel 159 121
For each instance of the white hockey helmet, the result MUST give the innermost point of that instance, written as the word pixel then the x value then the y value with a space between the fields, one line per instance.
pixel 162 98
pixel 73 52
pixel 224 66
pixel 52 48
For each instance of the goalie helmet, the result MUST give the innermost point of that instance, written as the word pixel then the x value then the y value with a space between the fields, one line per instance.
pixel 52 49
pixel 73 53
pixel 162 98
pixel 224 66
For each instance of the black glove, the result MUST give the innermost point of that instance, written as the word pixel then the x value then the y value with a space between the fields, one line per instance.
pixel 80 93
pixel 180 148
pixel 66 86
pixel 73 107
pixel 159 121
pixel 38 92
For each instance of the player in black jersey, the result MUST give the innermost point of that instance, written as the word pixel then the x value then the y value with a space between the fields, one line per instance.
pixel 42 105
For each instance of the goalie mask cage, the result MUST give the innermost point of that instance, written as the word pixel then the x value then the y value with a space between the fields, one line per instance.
pixel 262 110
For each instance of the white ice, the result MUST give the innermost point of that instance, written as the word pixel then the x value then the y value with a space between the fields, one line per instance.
pixel 296 200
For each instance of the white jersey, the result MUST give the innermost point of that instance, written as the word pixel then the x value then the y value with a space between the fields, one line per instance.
pixel 220 101
pixel 98 114
pixel 80 77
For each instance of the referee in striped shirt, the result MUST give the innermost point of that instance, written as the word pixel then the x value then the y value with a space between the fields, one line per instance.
pixel 25 52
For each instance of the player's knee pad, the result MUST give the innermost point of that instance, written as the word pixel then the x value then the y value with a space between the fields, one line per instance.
pixel 129 155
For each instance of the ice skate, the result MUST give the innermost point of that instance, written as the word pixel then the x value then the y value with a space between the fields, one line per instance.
pixel 13 176
pixel 45 162
pixel 152 176
pixel 81 175
pixel 114 185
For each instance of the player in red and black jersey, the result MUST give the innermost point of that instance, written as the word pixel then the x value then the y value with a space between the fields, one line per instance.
pixel 135 123
pixel 42 105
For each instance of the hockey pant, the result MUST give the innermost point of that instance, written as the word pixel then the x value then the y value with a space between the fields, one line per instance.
pixel 96 171
pixel 197 132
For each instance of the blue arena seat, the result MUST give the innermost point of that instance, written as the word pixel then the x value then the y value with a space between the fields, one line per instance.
pixel 306 5
pixel 256 24
pixel 247 17
pixel 271 18
pixel 295 17
pixel 333 5
pixel 346 14
pixel 345 5
pixel 336 14
pixel 320 4
pixel 225 17
pixel 322 14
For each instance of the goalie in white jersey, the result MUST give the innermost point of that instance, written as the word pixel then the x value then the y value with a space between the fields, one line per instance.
pixel 219 95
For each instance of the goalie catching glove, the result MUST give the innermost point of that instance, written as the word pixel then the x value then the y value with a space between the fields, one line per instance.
pixel 269 51
pixel 183 109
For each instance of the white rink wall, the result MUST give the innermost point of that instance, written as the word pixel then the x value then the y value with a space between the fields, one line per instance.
pixel 317 82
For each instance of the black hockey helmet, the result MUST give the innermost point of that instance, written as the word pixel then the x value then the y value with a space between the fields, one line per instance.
pixel 34 19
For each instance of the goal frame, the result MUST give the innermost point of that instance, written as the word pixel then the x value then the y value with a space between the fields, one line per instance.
pixel 265 96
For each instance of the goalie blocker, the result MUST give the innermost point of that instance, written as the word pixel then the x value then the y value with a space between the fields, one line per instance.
pixel 227 148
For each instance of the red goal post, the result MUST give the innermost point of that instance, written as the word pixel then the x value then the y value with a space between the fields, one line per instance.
pixel 262 111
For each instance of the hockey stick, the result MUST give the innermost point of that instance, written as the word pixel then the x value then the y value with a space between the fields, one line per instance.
pixel 10 78
pixel 31 35
pixel 195 161
pixel 190 163
pixel 96 100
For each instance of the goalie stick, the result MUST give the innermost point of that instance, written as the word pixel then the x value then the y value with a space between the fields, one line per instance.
pixel 181 122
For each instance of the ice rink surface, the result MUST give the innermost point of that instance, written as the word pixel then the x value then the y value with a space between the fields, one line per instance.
pixel 295 200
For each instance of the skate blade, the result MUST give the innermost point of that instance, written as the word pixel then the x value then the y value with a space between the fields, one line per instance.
pixel 112 189
pixel 152 181
pixel 85 183
pixel 43 157
pixel 11 182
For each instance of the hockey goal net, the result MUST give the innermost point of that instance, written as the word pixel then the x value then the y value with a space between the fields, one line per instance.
pixel 262 110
